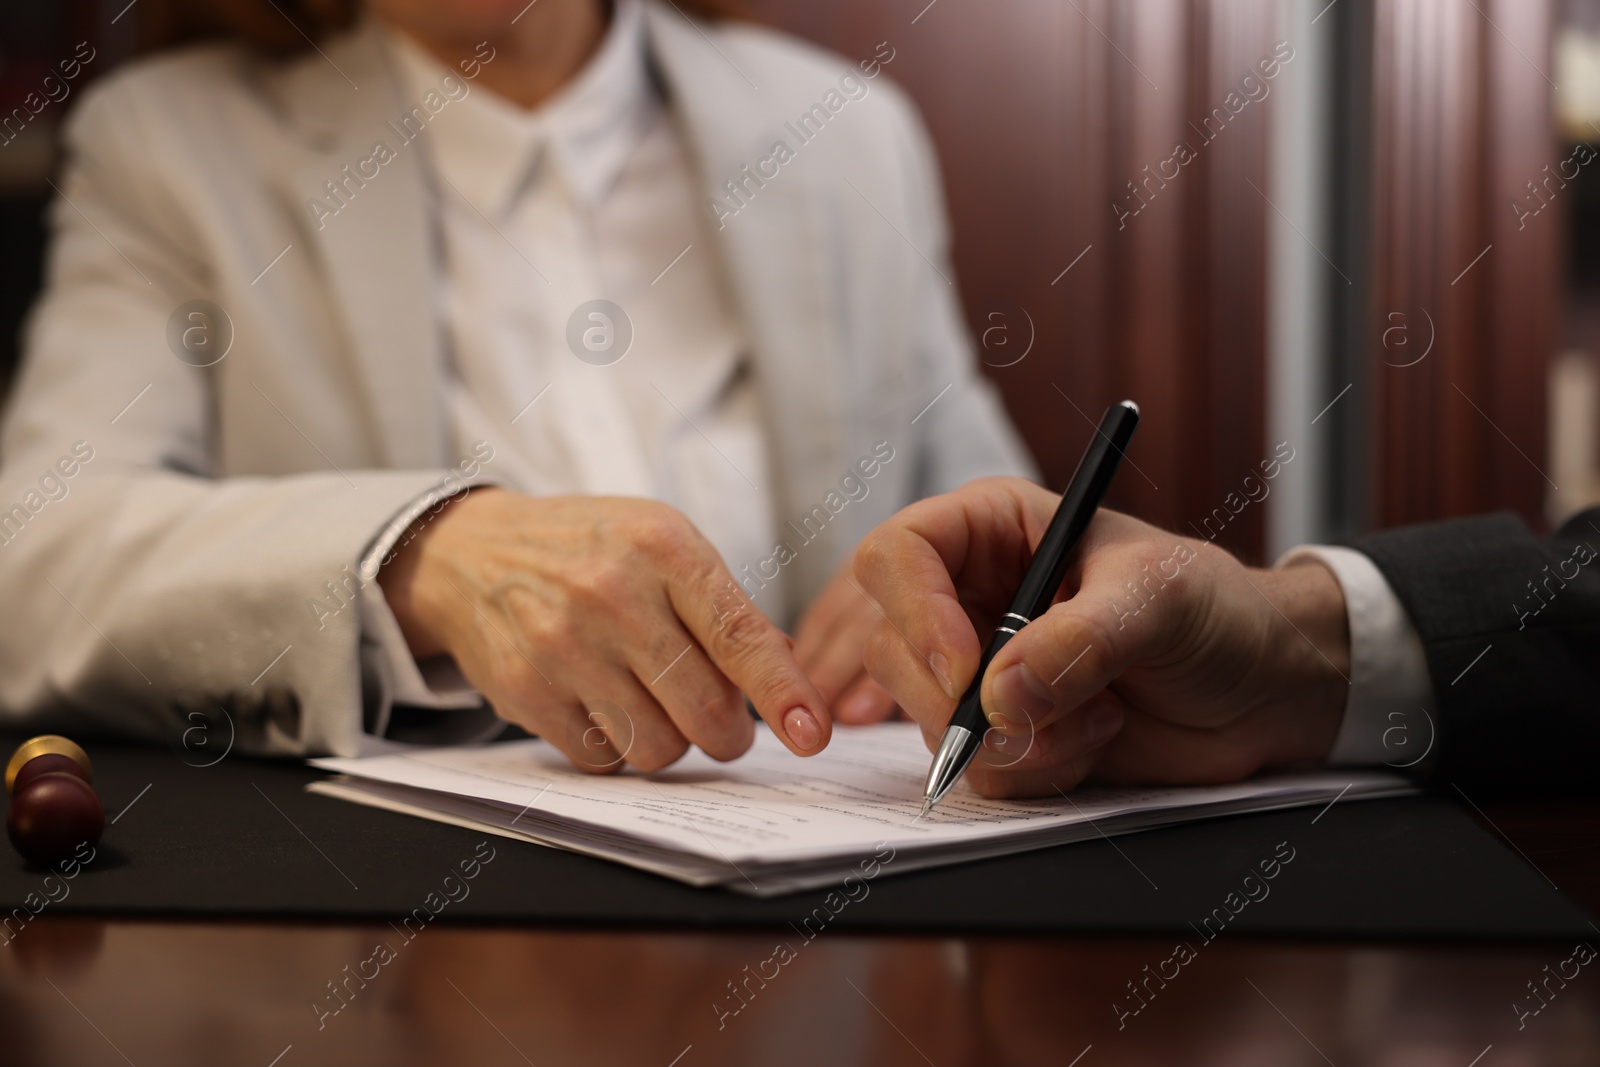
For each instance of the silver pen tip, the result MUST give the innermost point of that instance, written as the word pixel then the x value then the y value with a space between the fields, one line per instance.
pixel 927 806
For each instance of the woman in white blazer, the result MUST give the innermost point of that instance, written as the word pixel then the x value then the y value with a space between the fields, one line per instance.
pixel 669 295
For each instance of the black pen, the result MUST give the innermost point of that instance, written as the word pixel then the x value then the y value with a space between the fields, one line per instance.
pixel 964 735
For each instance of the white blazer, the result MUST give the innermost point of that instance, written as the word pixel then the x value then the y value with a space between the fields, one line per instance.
pixel 165 529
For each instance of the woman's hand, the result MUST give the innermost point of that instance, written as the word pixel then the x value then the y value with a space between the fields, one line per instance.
pixel 1163 660
pixel 830 643
pixel 607 626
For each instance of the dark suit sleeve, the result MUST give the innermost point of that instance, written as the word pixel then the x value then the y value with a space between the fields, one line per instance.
pixel 1511 626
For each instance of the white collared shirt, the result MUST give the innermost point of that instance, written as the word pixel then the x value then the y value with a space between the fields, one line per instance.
pixel 590 196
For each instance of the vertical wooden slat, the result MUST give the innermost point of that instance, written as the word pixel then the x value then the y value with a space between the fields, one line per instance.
pixel 1231 225
pixel 1148 251
pixel 1525 286
pixel 1081 328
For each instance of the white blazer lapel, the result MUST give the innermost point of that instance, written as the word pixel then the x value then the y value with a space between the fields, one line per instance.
pixel 376 238
pixel 777 263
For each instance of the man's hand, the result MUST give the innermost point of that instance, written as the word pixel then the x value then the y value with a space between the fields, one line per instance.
pixel 1163 660
pixel 829 643
pixel 607 626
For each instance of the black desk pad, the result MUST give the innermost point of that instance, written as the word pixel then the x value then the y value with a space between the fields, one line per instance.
pixel 243 838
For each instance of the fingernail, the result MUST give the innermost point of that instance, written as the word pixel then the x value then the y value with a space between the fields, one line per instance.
pixel 1103 721
pixel 1020 696
pixel 802 728
pixel 941 671
pixel 857 707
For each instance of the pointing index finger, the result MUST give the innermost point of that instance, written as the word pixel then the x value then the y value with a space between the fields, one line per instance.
pixel 752 652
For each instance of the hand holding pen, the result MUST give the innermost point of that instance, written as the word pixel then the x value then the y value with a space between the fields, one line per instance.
pixel 1162 660
pixel 1041 580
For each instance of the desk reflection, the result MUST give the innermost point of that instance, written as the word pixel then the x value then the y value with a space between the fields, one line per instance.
pixel 78 991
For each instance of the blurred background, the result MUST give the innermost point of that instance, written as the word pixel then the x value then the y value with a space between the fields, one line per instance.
pixel 1379 258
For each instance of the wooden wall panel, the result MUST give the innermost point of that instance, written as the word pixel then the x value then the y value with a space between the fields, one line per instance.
pixel 1526 285
pixel 1461 121
pixel 1044 115
pixel 1148 258
pixel 1228 238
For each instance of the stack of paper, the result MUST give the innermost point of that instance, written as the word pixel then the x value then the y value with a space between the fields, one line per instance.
pixel 771 823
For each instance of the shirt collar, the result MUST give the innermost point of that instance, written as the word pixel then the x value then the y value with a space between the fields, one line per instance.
pixel 490 148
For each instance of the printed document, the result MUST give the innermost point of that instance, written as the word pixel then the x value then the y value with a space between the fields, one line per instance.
pixel 771 822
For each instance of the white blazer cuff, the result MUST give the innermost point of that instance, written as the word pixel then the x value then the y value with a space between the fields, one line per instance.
pixel 1390 690
pixel 435 682
pixel 383 544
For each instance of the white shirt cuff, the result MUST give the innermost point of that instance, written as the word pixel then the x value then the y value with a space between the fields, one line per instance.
pixel 436 682
pixel 1387 718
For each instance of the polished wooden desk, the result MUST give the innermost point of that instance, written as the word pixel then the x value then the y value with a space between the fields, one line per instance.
pixel 80 991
